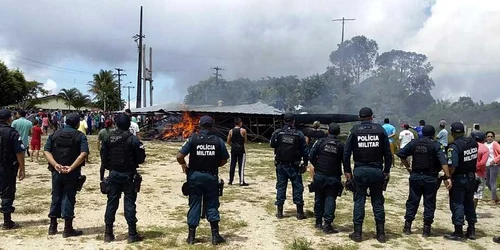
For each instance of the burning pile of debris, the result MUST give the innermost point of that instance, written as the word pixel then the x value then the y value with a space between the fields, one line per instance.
pixel 179 128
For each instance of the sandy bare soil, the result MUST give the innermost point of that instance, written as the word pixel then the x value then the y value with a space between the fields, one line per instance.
pixel 248 220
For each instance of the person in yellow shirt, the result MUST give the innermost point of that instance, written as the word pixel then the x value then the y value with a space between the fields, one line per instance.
pixel 83 125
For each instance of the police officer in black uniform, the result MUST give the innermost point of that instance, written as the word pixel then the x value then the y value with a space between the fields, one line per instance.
pixel 429 158
pixel 462 159
pixel 290 147
pixel 372 156
pixel 11 163
pixel 207 153
pixel 326 156
pixel 122 153
pixel 65 150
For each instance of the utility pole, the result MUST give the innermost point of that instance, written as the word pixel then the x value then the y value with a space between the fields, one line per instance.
pixel 144 76
pixel 119 74
pixel 217 74
pixel 129 87
pixel 138 40
pixel 150 76
pixel 343 20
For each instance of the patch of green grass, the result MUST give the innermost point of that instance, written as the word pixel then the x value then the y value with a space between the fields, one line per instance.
pixel 347 246
pixel 300 244
pixel 231 224
pixel 376 245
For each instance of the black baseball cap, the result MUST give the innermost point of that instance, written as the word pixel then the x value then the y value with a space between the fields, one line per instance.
pixel 365 112
pixel 288 117
pixel 428 130
pixel 5 114
pixel 479 136
pixel 457 127
pixel 333 128
pixel 73 119
pixel 206 121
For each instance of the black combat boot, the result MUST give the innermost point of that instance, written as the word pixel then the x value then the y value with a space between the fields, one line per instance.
pixel 191 235
pixel 471 232
pixel 328 229
pixel 496 239
pixel 69 231
pixel 380 232
pixel 8 223
pixel 319 223
pixel 216 238
pixel 300 212
pixel 279 212
pixel 108 234
pixel 357 234
pixel 407 228
pixel 426 232
pixel 53 226
pixel 133 236
pixel 458 235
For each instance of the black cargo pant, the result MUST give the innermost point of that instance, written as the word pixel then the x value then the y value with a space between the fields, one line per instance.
pixel 121 183
pixel 8 188
pixel 425 185
pixel 64 194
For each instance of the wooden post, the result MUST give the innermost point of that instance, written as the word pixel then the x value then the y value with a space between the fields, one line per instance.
pixel 257 123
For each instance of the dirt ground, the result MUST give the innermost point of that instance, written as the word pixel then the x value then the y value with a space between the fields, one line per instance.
pixel 247 213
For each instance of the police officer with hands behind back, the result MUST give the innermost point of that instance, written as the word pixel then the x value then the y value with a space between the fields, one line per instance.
pixel 65 150
pixel 11 164
pixel 290 147
pixel 122 153
pixel 372 156
pixel 462 159
pixel 428 159
pixel 326 156
pixel 207 153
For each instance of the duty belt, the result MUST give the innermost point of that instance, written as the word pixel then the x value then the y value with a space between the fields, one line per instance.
pixel 425 173
pixel 212 172
pixel 470 175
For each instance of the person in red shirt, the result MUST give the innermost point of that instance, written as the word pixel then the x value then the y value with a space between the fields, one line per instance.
pixel 36 140
pixel 482 157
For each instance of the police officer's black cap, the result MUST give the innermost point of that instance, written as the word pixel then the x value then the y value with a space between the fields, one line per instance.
pixel 73 120
pixel 428 130
pixel 206 121
pixel 479 136
pixel 5 114
pixel 365 112
pixel 289 117
pixel 457 127
pixel 334 128
pixel 122 121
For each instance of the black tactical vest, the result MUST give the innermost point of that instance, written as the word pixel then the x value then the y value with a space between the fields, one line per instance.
pixel 288 149
pixel 120 155
pixel 329 158
pixel 7 156
pixel 467 155
pixel 424 156
pixel 368 143
pixel 66 146
pixel 205 153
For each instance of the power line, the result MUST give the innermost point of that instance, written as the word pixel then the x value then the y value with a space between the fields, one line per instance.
pixel 57 70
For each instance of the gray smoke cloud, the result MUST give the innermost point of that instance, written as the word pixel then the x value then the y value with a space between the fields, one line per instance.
pixel 249 38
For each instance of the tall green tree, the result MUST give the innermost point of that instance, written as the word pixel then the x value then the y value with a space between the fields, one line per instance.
pixel 104 87
pixel 81 100
pixel 69 96
pixel 33 92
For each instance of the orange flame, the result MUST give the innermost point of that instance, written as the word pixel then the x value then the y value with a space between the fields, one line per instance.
pixel 185 127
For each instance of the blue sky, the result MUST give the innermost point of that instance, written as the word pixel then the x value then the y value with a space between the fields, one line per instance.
pixel 248 38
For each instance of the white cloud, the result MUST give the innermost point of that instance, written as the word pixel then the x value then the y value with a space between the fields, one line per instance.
pixel 50 85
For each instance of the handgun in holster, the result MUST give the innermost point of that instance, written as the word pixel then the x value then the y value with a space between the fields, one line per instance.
pixel 104 185
pixel 340 186
pixel 386 181
pixel 221 187
pixel 80 182
pixel 137 182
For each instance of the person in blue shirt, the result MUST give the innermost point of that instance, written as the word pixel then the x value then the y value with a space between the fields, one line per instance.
pixel 369 145
pixel 65 151
pixel 418 128
pixel 442 136
pixel 207 153
pixel 391 132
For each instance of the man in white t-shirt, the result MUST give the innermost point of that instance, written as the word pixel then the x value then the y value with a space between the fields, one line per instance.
pixel 405 137
pixel 134 127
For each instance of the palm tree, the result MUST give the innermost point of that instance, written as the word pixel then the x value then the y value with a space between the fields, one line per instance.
pixel 69 96
pixel 105 88
pixel 81 100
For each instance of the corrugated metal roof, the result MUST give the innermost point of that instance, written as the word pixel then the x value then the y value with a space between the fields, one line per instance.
pixel 254 108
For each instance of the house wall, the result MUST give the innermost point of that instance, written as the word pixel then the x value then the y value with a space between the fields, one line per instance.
pixel 54 103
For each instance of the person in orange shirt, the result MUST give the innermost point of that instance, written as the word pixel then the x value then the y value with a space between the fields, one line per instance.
pixel 482 157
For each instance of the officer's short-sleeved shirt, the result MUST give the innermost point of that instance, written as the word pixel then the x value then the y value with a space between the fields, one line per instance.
pixel 453 157
pixel 16 142
pixel 186 147
pixel 84 146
